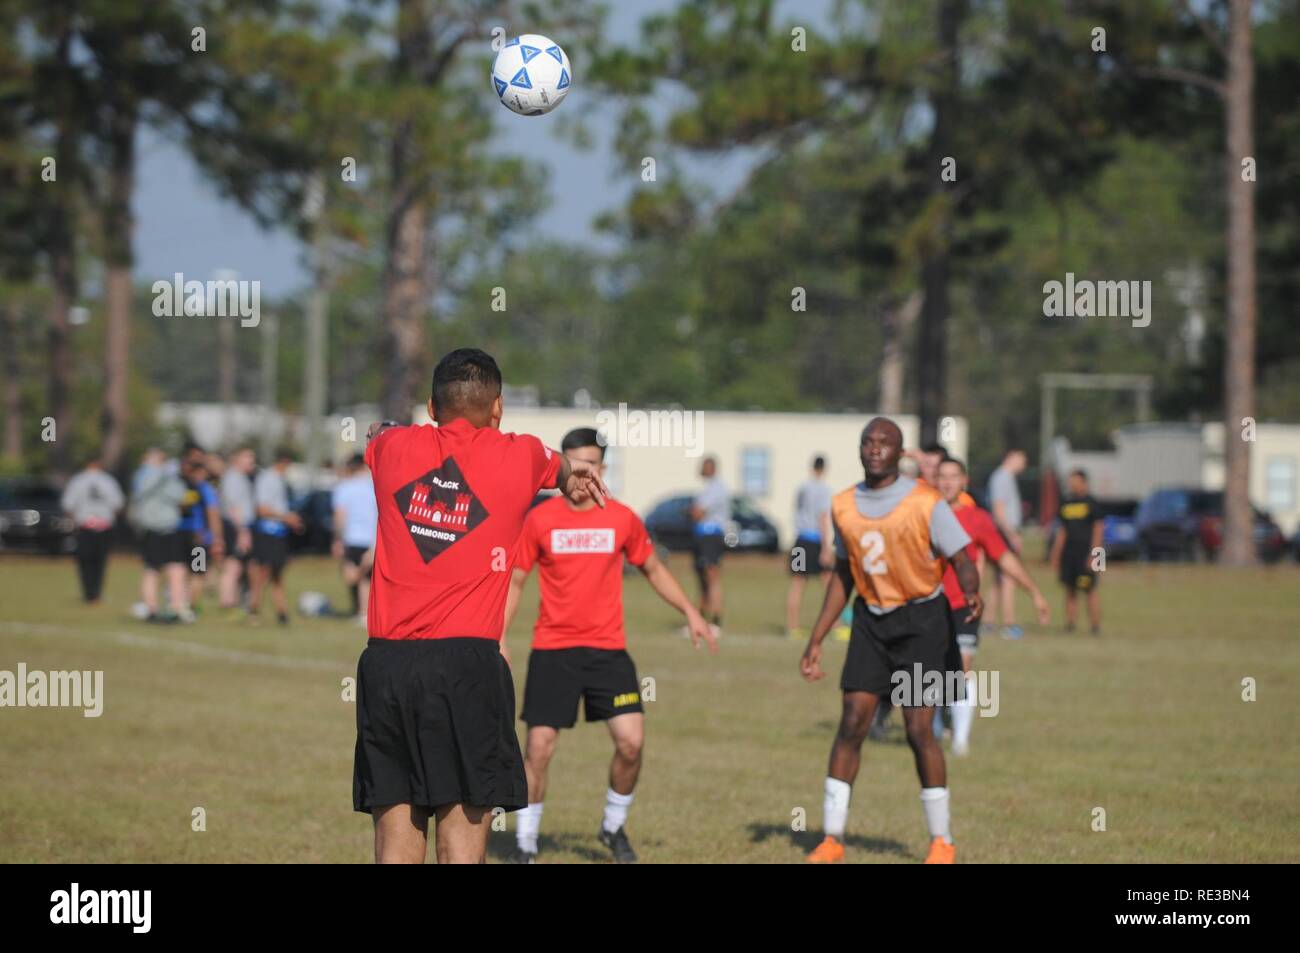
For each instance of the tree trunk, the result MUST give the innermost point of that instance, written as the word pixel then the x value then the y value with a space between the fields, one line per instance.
pixel 896 322
pixel 931 338
pixel 406 285
pixel 62 250
pixel 1239 366
pixel 13 394
pixel 119 228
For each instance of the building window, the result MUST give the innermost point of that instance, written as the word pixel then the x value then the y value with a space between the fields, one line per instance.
pixel 1279 484
pixel 755 470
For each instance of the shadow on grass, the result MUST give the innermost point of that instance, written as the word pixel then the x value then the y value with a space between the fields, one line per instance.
pixel 584 846
pixel 805 841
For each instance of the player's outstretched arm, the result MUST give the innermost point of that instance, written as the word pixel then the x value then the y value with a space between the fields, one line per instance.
pixel 1011 565
pixel 837 596
pixel 665 584
pixel 968 577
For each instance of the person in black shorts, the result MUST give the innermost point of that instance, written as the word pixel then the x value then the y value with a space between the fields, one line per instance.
pixel 1075 548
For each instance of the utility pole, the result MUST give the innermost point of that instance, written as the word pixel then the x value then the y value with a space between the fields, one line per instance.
pixel 313 402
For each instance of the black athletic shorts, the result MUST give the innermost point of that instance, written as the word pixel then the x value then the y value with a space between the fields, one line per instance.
pixel 805 556
pixel 968 633
pixel 435 726
pixel 605 680
pixel 159 549
pixel 271 551
pixel 709 550
pixel 895 643
pixel 353 555
pixel 231 533
pixel 1076 568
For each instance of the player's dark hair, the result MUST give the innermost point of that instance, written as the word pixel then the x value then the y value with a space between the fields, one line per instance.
pixel 819 462
pixel 466 379
pixel 1080 473
pixel 357 461
pixel 283 454
pixel 938 448
pixel 948 459
pixel 582 437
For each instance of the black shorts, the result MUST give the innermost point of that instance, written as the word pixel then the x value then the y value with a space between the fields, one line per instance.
pixel 353 555
pixel 895 643
pixel 231 533
pixel 805 556
pixel 605 679
pixel 435 726
pixel 159 549
pixel 271 551
pixel 968 633
pixel 709 550
pixel 1076 568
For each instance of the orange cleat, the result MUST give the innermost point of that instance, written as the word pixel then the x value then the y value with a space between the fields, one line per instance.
pixel 829 851
pixel 941 852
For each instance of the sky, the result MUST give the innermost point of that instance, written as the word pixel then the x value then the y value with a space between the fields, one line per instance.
pixel 182 224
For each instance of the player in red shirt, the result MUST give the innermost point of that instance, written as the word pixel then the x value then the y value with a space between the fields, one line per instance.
pixel 986 540
pixel 579 647
pixel 435 700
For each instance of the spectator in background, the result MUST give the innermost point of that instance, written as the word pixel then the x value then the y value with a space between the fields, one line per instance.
pixel 1077 544
pixel 274 521
pixel 93 499
pixel 200 520
pixel 1004 504
pixel 356 516
pixel 237 516
pixel 156 495
pixel 711 511
pixel 814 548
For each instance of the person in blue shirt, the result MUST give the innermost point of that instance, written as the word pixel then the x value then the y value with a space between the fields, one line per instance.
pixel 200 519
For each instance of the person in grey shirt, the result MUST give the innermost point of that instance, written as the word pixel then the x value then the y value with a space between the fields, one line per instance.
pixel 813 550
pixel 93 499
pixel 237 516
pixel 1004 504
pixel 711 511
pixel 902 645
pixel 274 521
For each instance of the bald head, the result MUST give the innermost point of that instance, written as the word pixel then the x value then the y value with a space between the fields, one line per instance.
pixel 882 448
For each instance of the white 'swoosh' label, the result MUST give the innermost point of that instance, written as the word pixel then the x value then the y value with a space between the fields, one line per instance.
pixel 565 541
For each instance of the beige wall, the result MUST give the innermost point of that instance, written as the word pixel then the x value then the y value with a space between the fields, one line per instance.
pixel 643 475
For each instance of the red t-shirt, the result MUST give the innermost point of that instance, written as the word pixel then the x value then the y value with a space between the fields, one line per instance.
pixel 451 500
pixel 983 532
pixel 580 553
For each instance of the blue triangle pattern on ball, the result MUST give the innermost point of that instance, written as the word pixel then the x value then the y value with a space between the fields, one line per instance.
pixel 557 53
pixel 501 86
pixel 521 79
pixel 564 80
pixel 529 52
pixel 514 42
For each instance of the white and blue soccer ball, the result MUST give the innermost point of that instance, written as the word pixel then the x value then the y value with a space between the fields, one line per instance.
pixel 531 75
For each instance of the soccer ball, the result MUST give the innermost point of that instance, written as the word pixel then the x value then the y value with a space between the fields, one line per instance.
pixel 531 75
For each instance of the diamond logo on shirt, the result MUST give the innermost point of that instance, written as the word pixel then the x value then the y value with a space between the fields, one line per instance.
pixel 439 509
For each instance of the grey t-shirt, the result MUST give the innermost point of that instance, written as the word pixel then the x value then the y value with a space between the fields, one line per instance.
pixel 92 498
pixel 1003 489
pixel 237 498
pixel 715 501
pixel 811 502
pixel 947 536
pixel 270 490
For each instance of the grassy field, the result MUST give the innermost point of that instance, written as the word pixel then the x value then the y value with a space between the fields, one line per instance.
pixel 249 723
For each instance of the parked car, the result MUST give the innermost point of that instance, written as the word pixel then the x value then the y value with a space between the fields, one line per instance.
pixel 31 517
pixel 316 507
pixel 1184 523
pixel 671 527
pixel 1119 531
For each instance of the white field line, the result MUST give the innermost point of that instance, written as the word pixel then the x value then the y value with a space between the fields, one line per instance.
pixel 137 640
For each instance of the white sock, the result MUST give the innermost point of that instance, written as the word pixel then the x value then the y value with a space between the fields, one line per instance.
pixel 934 801
pixel 963 713
pixel 527 823
pixel 835 807
pixel 616 806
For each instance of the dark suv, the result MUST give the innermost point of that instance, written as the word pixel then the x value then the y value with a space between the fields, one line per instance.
pixel 31 517
pixel 670 526
pixel 1183 523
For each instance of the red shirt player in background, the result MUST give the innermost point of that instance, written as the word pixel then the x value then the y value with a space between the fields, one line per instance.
pixel 435 700
pixel 579 647
pixel 986 539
